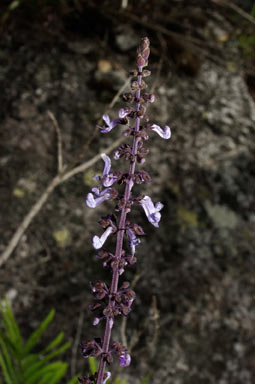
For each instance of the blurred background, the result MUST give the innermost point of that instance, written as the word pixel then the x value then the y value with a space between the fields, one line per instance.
pixel 62 65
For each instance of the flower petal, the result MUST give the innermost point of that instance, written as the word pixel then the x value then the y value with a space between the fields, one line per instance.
pixel 107 164
pixel 123 112
pixel 124 359
pixel 106 377
pixel 133 241
pixel 109 124
pixel 98 242
pixel 165 134
pixel 93 202
pixel 151 211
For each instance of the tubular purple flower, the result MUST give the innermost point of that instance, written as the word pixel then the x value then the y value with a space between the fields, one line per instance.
pixel 165 134
pixel 151 211
pixel 98 242
pixel 109 124
pixel 108 178
pixel 123 112
pixel 93 202
pixel 124 359
pixel 97 320
pixel 133 241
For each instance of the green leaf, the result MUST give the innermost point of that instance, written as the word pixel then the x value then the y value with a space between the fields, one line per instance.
pixel 53 373
pixel 7 357
pixel 5 370
pixel 54 343
pixel 11 326
pixel 32 374
pixel 58 351
pixel 37 334
pixel 93 365
pixel 29 360
pixel 41 373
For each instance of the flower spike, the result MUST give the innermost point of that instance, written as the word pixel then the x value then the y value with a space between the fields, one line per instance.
pixel 112 300
pixel 165 134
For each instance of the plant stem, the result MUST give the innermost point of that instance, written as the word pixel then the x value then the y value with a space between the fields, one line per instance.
pixel 120 235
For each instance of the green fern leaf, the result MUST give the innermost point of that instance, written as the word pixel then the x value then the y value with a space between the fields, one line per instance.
pixel 11 326
pixel 54 343
pixel 32 373
pixel 28 361
pixel 4 367
pixel 8 361
pixel 37 334
pixel 53 373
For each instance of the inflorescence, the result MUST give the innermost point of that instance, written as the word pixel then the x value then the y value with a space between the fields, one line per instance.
pixel 112 300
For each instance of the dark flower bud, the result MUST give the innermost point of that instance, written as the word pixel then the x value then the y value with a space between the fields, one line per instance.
pixel 125 285
pixel 134 85
pixel 149 97
pixel 140 159
pixel 133 72
pixel 94 307
pixel 103 254
pixel 84 380
pixel 142 134
pixel 91 348
pixel 123 121
pixel 146 73
pixel 137 229
pixel 109 358
pixel 128 97
pixel 105 221
pixel 143 52
pixel 100 290
pixel 144 151
pixel 128 132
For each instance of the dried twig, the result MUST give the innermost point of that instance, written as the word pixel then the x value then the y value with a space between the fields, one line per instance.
pixel 59 136
pixel 64 174
pixel 59 179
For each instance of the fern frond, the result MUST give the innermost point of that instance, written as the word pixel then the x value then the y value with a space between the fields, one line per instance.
pixel 37 334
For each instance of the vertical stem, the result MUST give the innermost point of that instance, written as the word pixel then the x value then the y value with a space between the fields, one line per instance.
pixel 120 235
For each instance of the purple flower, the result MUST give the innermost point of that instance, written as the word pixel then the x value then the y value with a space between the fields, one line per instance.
pixel 151 211
pixel 100 196
pixel 165 134
pixel 98 242
pixel 107 178
pixel 123 112
pixel 97 320
pixel 124 359
pixel 133 241
pixel 109 124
